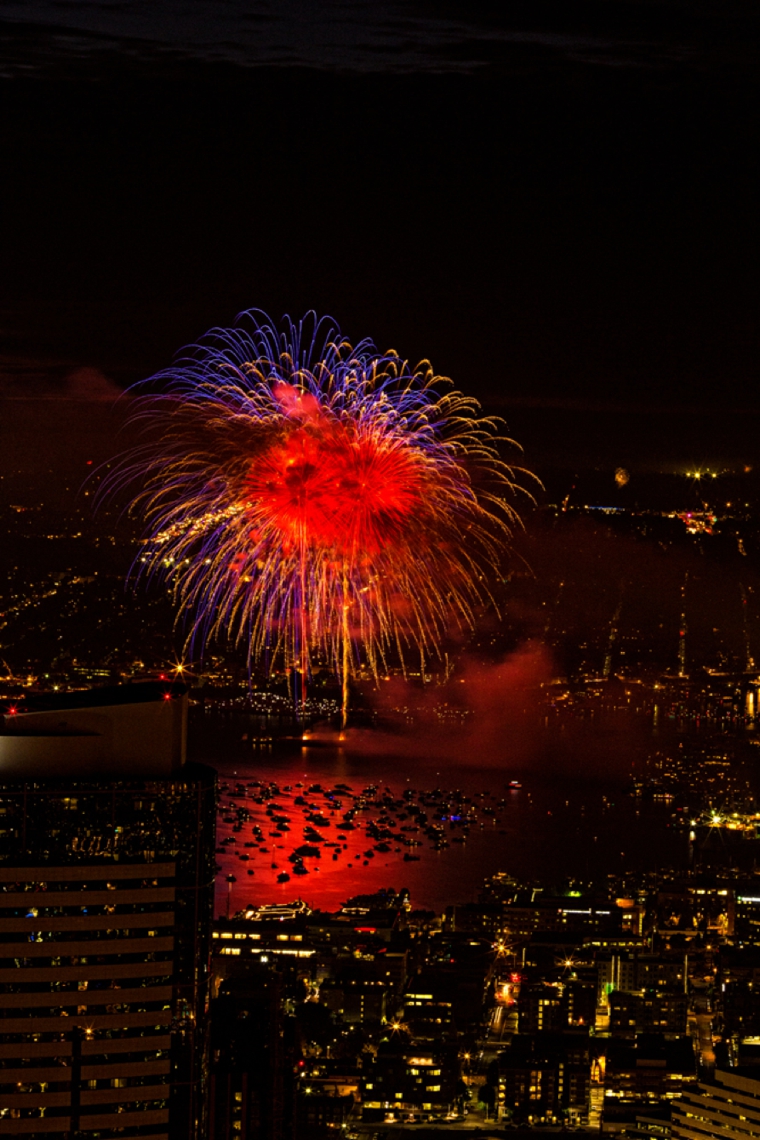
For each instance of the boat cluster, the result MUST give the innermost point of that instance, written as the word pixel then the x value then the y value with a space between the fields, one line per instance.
pixel 328 821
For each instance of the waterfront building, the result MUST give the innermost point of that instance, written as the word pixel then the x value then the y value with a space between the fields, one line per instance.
pixel 106 887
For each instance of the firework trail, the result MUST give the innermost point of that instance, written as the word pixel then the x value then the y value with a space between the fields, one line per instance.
pixel 316 501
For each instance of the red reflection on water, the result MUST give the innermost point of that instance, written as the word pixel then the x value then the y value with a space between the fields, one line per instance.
pixel 431 866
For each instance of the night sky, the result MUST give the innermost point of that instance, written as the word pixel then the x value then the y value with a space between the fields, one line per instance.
pixel 555 202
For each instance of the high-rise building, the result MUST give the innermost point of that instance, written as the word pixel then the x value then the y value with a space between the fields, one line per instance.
pixel 106 889
pixel 729 1108
pixel 248 1068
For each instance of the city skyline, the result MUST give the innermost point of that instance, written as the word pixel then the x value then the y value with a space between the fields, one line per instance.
pixel 515 888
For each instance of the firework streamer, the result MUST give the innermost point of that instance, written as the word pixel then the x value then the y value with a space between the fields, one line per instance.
pixel 314 500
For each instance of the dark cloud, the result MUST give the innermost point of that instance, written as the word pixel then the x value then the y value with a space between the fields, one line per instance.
pixel 365 36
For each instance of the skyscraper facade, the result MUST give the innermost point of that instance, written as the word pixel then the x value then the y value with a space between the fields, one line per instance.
pixel 106 889
pixel 727 1107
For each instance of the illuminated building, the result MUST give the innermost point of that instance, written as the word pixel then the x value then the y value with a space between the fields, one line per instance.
pixel 541 1075
pixel 532 911
pixel 649 1066
pixel 481 919
pixel 648 1011
pixel 106 886
pixel 410 1077
pixel 644 993
pixel 632 972
pixel 541 1007
pixel 356 997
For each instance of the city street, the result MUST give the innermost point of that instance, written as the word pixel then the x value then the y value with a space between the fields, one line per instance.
pixel 700 1027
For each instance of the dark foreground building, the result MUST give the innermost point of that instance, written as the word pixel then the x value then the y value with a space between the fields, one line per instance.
pixel 247 1085
pixel 106 889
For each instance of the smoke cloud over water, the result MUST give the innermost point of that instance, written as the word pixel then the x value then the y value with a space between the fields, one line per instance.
pixel 503 715
pixel 486 714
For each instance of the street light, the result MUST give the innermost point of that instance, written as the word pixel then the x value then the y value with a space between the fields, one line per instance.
pixel 230 880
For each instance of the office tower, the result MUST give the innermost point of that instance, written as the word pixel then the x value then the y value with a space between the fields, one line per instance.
pixel 729 1107
pixel 106 887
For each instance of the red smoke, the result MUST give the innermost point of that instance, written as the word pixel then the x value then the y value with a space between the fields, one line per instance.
pixel 502 715
pixel 492 713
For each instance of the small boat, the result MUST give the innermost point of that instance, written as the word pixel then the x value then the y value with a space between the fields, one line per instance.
pixel 283 877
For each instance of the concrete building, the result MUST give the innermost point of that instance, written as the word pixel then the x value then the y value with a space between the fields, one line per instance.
pixel 648 1011
pixel 545 1076
pixel 650 1067
pixel 410 1077
pixel 728 1108
pixel 106 887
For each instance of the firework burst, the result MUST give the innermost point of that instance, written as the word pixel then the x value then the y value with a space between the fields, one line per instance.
pixel 317 501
